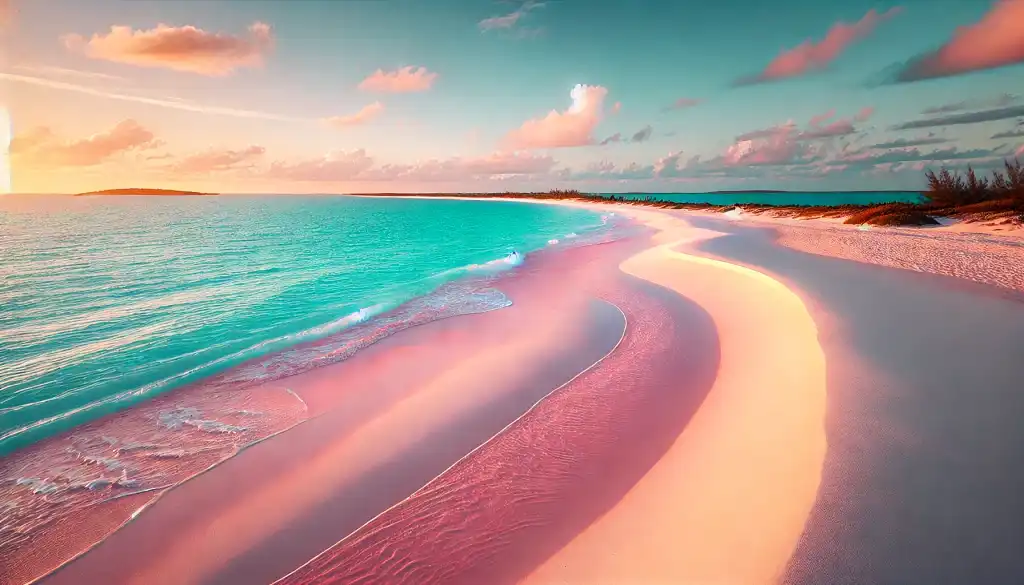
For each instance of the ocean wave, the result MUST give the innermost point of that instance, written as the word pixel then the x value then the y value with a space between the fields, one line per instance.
pixel 206 422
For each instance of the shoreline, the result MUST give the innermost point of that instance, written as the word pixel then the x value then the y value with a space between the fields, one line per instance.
pixel 318 397
pixel 761 316
pixel 114 517
pixel 405 532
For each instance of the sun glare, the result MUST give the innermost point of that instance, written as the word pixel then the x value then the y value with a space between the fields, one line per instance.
pixel 5 158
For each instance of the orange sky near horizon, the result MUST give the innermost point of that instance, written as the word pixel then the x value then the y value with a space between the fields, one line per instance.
pixel 466 96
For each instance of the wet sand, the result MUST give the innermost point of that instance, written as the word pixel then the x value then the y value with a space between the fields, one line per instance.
pixel 703 406
pixel 384 423
pixel 524 495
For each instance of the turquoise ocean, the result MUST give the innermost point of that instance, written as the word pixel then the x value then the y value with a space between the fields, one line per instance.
pixel 108 301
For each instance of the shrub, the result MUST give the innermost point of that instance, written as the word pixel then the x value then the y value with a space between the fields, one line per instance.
pixel 867 215
pixel 907 217
pixel 946 189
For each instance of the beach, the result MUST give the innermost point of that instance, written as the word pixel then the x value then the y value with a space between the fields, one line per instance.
pixel 707 399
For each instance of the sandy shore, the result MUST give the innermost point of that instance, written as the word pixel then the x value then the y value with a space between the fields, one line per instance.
pixel 703 405
pixel 384 423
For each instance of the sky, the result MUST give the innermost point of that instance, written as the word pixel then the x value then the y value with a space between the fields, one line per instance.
pixel 340 96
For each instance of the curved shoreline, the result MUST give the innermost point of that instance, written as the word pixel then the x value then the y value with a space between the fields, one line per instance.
pixel 520 315
pixel 489 440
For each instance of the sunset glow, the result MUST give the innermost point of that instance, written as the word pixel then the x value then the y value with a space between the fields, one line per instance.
pixel 281 98
pixel 5 150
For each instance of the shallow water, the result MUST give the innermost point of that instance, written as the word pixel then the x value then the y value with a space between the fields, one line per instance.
pixel 110 303
pixel 105 301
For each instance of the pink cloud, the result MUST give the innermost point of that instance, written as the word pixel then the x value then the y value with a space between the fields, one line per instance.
pixel 184 48
pixel 772 132
pixel 491 167
pixel 358 166
pixel 616 107
pixel 997 40
pixel 573 127
pixel 218 160
pixel 404 80
pixel 338 166
pixel 773 151
pixel 1020 152
pixel 864 114
pixel 41 147
pixel 29 140
pixel 837 128
pixel 364 115
pixel 810 56
pixel 816 120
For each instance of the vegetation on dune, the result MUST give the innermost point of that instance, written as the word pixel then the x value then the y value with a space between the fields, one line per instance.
pixel 950 194
pixel 905 217
pixel 870 213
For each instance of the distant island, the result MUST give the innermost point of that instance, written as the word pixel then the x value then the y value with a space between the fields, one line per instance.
pixel 133 191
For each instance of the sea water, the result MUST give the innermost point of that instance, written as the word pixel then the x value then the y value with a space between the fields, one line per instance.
pixel 108 301
pixel 144 340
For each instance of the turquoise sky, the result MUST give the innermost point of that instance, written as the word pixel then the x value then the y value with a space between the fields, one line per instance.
pixel 490 81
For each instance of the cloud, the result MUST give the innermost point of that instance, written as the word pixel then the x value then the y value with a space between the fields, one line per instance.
pixel 364 115
pixel 63 72
pixel 682 103
pixel 573 127
pixel 946 109
pixel 500 164
pixel 866 158
pixel 1004 99
pixel 816 130
pixel 171 103
pixel 771 132
pixel 906 143
pixel 217 160
pixel 816 120
pixel 616 107
pixel 809 56
pixel 969 118
pixel 358 166
pixel 864 114
pixel 41 147
pixel 29 140
pixel 778 150
pixel 337 166
pixel 1015 133
pixel 608 171
pixel 642 135
pixel 997 40
pixel 509 20
pixel 404 80
pixel 1020 152
pixel 837 128
pixel 184 48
